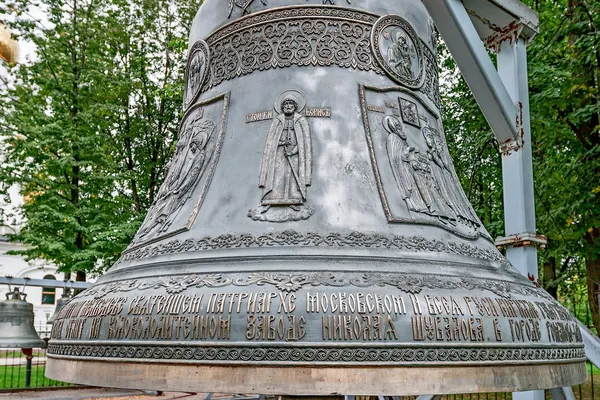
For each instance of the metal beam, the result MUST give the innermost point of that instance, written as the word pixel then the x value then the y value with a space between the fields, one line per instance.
pixel 463 41
pixel 494 18
pixel 43 283
pixel 591 344
pixel 564 393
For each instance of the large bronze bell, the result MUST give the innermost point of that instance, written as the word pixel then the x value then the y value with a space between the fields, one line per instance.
pixel 311 236
pixel 16 322
pixel 60 303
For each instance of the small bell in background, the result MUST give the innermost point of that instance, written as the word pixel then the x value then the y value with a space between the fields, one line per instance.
pixel 16 322
pixel 60 303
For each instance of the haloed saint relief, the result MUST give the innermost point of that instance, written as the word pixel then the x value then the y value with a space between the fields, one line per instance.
pixel 398 50
pixel 193 149
pixel 243 4
pixel 196 71
pixel 286 163
pixel 416 181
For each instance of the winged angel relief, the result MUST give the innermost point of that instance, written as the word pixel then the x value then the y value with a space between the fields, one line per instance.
pixel 415 174
pixel 193 152
pixel 425 179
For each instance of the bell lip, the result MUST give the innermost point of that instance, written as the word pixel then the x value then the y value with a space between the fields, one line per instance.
pixel 313 380
pixel 30 344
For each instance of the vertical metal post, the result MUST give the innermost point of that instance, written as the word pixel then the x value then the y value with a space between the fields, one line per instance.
pixel 517 172
pixel 28 357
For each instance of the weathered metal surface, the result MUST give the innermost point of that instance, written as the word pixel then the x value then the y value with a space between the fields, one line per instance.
pixel 311 234
pixel 16 322
pixel 60 304
pixel 51 283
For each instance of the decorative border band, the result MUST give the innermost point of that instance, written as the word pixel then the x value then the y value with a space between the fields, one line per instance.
pixel 408 283
pixel 320 355
pixel 302 36
pixel 291 238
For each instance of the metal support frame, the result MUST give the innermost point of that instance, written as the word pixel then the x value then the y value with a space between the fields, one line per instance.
pixel 591 343
pixel 51 283
pixel 456 27
pixel 564 393
pixel 517 171
pixel 503 96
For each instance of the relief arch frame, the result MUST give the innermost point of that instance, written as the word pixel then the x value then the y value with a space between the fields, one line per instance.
pixel 362 88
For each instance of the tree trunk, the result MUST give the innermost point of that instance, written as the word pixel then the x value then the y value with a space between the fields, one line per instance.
pixel 549 277
pixel 593 277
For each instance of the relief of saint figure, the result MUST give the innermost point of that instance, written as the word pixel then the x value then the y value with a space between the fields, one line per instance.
pixel 449 191
pixel 286 164
pixel 400 155
pixel 400 54
pixel 193 151
pixel 243 4
pixel 415 176
pixel 195 73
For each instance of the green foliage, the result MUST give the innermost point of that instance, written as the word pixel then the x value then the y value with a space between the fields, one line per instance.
pixel 90 122
pixel 564 73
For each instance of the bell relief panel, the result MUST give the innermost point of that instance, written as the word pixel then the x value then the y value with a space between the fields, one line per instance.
pixel 398 51
pixel 412 164
pixel 189 172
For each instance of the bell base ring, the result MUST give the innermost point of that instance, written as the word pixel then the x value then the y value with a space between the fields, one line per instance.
pixel 308 380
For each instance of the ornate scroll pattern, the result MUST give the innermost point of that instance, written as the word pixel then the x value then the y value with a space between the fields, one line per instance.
pixel 408 283
pixel 297 239
pixel 431 87
pixel 412 355
pixel 303 36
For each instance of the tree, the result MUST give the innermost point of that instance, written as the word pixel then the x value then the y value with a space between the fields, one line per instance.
pixel 564 68
pixel 90 123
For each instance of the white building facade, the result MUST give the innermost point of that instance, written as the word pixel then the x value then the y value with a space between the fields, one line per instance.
pixel 43 299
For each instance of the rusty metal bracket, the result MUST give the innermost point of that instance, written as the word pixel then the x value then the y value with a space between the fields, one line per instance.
pixel 522 240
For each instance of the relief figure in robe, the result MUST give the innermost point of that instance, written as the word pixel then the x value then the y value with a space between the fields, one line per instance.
pixel 399 55
pixel 399 152
pixel 462 204
pixel 195 74
pixel 446 198
pixel 285 169
pixel 286 163
pixel 192 153
pixel 421 171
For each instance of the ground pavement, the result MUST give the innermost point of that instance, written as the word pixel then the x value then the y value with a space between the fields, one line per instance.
pixel 106 394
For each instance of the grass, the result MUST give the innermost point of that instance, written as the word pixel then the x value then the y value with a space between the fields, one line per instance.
pixel 19 353
pixel 13 377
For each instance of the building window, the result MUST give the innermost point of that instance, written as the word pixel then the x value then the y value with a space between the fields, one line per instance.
pixel 48 294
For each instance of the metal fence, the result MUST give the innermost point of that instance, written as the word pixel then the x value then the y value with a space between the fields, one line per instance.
pixel 15 373
pixel 19 372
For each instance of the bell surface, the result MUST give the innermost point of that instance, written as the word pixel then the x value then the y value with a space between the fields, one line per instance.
pixel 16 322
pixel 311 236
pixel 60 303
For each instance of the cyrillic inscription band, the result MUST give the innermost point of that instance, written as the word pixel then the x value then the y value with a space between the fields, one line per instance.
pixel 329 316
